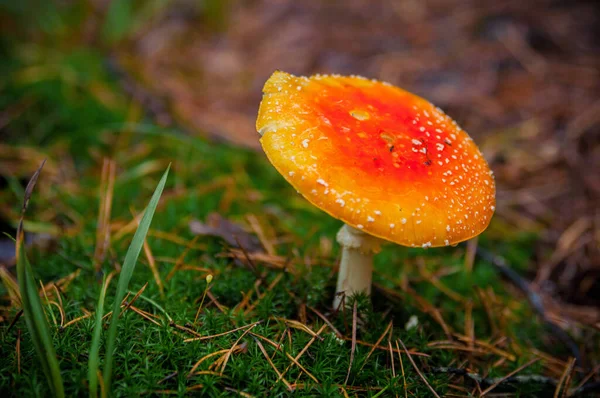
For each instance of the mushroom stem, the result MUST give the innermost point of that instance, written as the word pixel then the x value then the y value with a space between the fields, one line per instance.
pixel 356 265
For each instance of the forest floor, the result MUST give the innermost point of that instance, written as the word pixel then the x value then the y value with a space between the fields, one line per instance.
pixel 109 98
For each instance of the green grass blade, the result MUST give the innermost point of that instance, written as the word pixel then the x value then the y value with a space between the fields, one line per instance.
pixel 131 257
pixel 35 317
pixel 95 347
pixel 37 323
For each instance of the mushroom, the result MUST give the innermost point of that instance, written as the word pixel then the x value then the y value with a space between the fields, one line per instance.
pixel 386 162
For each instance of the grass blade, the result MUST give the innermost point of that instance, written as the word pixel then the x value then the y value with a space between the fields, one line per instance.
pixel 95 347
pixel 129 263
pixel 35 317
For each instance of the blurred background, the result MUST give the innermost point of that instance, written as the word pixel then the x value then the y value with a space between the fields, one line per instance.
pixel 522 77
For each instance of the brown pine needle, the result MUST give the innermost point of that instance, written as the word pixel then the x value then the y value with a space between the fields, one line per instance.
pixel 228 354
pixel 202 301
pixel 101 383
pixel 402 369
pixel 549 359
pixel 455 347
pixel 209 372
pixel 246 298
pixel 417 369
pixel 485 302
pixel 107 183
pixel 195 387
pixel 391 350
pixel 343 390
pixel 497 383
pixel 153 267
pixel 18 351
pixel 586 378
pixel 384 348
pixel 285 333
pixel 469 324
pixel 184 329
pixel 86 313
pixel 74 321
pixel 353 348
pixel 297 358
pixel 387 329
pixel 429 277
pixel 166 392
pixel 423 305
pixel 180 261
pixel 478 343
pixel 214 300
pixel 280 377
pixel 176 239
pixel 261 296
pixel 11 285
pixel 204 358
pixel 391 355
pixel 565 378
pixel 63 283
pixel 60 306
pixel 146 315
pixel 212 336
pixel 133 300
pixel 219 361
pixel 48 302
pixel 273 261
pixel 240 393
pixel 294 361
pixel 15 320
pixel 260 233
pixel 60 311
pixel 324 318
pixel 300 326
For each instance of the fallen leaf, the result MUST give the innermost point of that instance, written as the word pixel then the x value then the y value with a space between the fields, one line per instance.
pixel 232 233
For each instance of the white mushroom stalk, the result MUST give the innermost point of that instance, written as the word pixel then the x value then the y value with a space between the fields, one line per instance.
pixel 356 264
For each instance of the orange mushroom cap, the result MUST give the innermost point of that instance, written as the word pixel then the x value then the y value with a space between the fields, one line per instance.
pixel 379 158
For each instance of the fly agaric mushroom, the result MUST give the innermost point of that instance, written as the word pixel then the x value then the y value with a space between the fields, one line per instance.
pixel 386 162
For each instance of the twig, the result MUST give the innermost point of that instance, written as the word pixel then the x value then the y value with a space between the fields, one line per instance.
pixel 500 381
pixel 586 389
pixel 517 370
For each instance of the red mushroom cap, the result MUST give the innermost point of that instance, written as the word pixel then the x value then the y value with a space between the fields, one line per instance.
pixel 381 159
